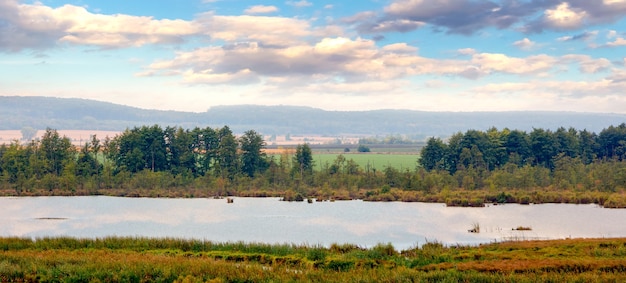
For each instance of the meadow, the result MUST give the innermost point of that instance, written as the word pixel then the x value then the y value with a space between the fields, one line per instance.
pixel 400 157
pixel 177 260
pixel 373 161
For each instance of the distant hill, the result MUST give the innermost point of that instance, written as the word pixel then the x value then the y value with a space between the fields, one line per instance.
pixel 81 114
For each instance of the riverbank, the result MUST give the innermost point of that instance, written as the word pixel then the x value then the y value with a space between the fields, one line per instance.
pixel 177 260
pixel 450 197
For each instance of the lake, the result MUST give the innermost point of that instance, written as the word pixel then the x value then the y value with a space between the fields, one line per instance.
pixel 269 220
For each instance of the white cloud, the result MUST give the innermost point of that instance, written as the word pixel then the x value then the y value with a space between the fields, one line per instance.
pixel 617 42
pixel 266 30
pixel 564 17
pixel 302 3
pixel 586 64
pixel 37 26
pixel 490 62
pixel 525 44
pixel 614 2
pixel 611 34
pixel 260 9
pixel 467 51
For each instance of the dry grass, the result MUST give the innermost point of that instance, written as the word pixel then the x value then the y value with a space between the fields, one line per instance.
pixel 177 260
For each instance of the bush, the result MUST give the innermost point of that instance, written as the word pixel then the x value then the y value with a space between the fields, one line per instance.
pixel 339 265
pixel 363 148
pixel 316 254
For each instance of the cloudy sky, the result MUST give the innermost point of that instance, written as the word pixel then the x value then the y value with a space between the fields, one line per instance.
pixel 433 55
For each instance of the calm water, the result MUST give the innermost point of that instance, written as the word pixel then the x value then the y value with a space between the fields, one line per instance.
pixel 269 220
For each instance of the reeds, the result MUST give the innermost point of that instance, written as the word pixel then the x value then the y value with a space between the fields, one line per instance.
pixel 177 260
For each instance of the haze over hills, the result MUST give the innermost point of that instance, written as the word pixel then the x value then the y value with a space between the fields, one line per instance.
pixel 81 114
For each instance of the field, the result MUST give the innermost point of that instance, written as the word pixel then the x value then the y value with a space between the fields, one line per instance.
pixel 400 157
pixel 376 161
pixel 178 260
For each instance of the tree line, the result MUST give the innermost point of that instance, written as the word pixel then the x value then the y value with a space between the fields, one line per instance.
pixel 493 149
pixel 471 167
pixel 51 162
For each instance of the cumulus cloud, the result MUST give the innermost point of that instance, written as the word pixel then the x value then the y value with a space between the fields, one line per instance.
pixel 260 9
pixel 468 16
pixel 266 30
pixel 262 58
pixel 525 44
pixel 24 26
pixel 617 42
pixel 560 17
pixel 586 63
pixel 595 88
pixel 564 17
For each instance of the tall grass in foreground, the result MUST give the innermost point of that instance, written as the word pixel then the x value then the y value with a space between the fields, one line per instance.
pixel 177 260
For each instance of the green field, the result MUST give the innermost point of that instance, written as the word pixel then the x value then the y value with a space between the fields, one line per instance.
pixel 378 161
pixel 374 160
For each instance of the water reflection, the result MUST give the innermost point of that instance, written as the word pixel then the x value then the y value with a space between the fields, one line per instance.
pixel 271 221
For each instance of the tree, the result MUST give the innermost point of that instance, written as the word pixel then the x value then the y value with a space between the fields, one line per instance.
pixel 253 159
pixel 433 155
pixel 612 142
pixel 567 141
pixel 87 165
pixel 303 160
pixel 363 148
pixel 154 147
pixel 206 143
pixel 517 146
pixel 544 147
pixel 180 150
pixel 56 150
pixel 227 158
pixel 588 144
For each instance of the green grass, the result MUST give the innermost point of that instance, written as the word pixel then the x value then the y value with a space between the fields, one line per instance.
pixel 375 160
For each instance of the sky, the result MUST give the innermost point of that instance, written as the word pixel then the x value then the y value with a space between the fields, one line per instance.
pixel 430 55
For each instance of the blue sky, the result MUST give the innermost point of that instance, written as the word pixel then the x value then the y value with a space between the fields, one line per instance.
pixel 436 55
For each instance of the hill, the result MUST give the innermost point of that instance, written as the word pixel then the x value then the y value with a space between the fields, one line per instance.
pixel 81 114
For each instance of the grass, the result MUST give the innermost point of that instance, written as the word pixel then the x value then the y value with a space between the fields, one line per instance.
pixel 177 260
pixel 376 161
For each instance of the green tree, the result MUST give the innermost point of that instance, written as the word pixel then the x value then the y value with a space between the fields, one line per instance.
pixel 13 161
pixel 567 142
pixel 544 147
pixel 180 148
pixel 432 156
pixel 253 159
pixel 206 143
pixel 56 151
pixel 303 160
pixel 227 164
pixel 363 148
pixel 86 164
pixel 612 142
pixel 517 146
pixel 588 144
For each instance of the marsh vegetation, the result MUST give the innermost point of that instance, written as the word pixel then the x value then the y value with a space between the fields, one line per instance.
pixel 177 260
